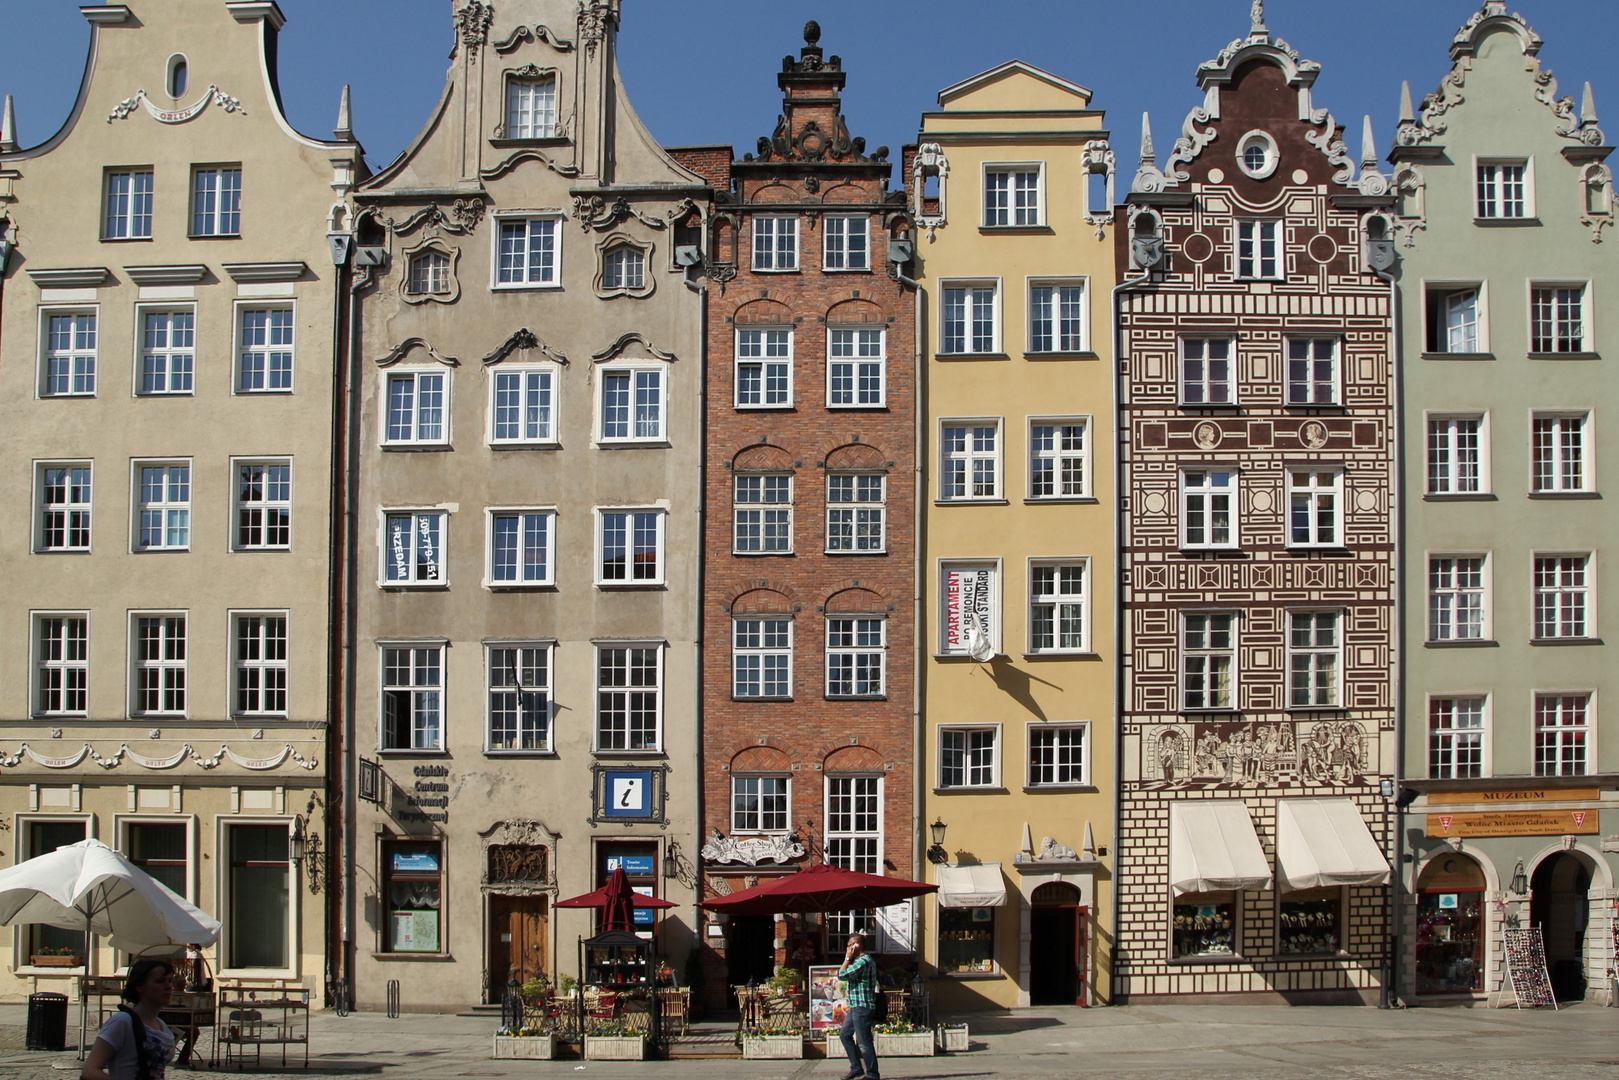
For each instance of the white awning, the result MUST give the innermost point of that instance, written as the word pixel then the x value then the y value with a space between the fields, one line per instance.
pixel 1212 847
pixel 977 885
pixel 1324 842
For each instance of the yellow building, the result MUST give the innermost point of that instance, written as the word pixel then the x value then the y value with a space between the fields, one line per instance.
pixel 1012 185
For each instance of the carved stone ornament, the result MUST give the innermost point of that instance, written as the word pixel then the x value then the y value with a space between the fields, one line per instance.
pixel 406 347
pixel 1313 434
pixel 594 18
pixel 1051 851
pixel 529 153
pixel 752 851
pixel 1596 185
pixel 1206 435
pixel 509 858
pixel 1412 189
pixel 177 116
pixel 185 753
pixel 461 219
pixel 472 25
pixel 1098 157
pixel 541 32
pixel 622 345
pixel 524 339
pixel 929 161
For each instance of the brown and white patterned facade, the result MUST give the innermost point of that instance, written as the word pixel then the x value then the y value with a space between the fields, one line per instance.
pixel 1257 538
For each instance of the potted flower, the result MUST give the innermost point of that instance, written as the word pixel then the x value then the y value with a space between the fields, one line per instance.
pixel 899 1037
pixel 530 1041
pixel 772 1043
pixel 953 1037
pixel 614 1041
pixel 784 983
pixel 536 990
pixel 58 956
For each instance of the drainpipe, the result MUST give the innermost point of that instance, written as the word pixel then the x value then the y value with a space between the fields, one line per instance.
pixel 334 605
pixel 1390 995
pixel 699 933
pixel 918 591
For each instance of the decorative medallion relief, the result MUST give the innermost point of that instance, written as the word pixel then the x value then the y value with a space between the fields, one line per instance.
pixel 177 116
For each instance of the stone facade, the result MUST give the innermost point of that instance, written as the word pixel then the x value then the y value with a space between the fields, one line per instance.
pixel 525 529
pixel 168 305
pixel 1256 427
pixel 809 543
pixel 1505 279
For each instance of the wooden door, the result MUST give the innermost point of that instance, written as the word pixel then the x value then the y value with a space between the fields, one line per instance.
pixel 518 936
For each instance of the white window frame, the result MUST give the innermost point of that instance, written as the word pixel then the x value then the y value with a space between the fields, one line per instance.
pixel 240 350
pixel 661 514
pixel 1263 140
pixel 1455 591
pixel 1030 733
pixel 1497 197
pixel 658 648
pixel 1210 652
pixel 1311 384
pixel 1233 492
pixel 854 781
pixel 540 106
pixel 86 377
pixel 517 690
pixel 262 664
pixel 634 373
pixel 549 227
pixel 164 506
pixel 169 355
pixel 855 653
pixel 436 645
pixel 1591 729
pixel 1205 383
pixel 222 889
pixel 762 653
pixel 1057 600
pixel 265 506
pixel 551 392
pixel 1324 507
pixel 548 552
pixel 738 827
pixel 838 255
pixel 1452 733
pixel 972 456
pixel 1336 651
pixel 782 230
pixel 855 361
pixel 876 513
pixel 1586 594
pixel 1059 456
pixel 1587 334
pixel 995 619
pixel 414 436
pixel 123 220
pixel 972 302
pixel 1012 192
pixel 763 516
pixel 163 664
pixel 1081 342
pixel 41 508
pixel 415 514
pixel 1557 464
pixel 1441 290
pixel 215 222
pixel 766 364
pixel 1251 262
pixel 1452 449
pixel 428 278
pixel 39 664
pixel 624 268
pixel 996 754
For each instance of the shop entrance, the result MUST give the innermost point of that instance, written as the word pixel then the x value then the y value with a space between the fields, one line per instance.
pixel 750 948
pixel 1450 926
pixel 518 932
pixel 1056 946
pixel 1559 903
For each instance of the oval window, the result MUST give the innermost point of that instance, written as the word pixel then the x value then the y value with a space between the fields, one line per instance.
pixel 179 75
pixel 1256 155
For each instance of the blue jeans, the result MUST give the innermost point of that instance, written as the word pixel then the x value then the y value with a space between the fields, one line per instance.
pixel 857 1042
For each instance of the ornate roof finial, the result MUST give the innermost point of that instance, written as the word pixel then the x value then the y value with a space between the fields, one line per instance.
pixel 8 126
pixel 1588 108
pixel 1368 146
pixel 344 131
pixel 1408 115
pixel 812 33
pixel 1147 155
pixel 1256 14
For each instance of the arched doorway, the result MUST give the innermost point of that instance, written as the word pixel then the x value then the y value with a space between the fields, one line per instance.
pixel 1450 926
pixel 1056 945
pixel 1559 903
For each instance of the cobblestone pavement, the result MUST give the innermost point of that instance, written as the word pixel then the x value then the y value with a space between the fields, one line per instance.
pixel 1170 1042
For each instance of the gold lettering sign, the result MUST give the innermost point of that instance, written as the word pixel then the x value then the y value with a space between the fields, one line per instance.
pixel 1549 794
pixel 1514 823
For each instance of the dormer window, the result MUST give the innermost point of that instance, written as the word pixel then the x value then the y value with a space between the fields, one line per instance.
pixel 1257 155
pixel 531 108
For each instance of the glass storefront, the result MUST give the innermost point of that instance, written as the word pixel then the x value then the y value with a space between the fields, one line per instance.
pixel 1205 925
pixel 414 897
pixel 1310 922
pixel 1450 927
pixel 967 939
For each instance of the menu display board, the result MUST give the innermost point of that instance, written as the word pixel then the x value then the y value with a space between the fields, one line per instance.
pixel 1526 967
pixel 828 1004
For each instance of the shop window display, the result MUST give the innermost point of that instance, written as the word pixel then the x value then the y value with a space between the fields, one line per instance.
pixel 1310 923
pixel 1205 925
pixel 1450 927
pixel 967 940
pixel 415 898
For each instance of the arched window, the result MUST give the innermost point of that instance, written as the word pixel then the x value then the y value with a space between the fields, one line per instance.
pixel 179 75
pixel 624 268
pixel 429 273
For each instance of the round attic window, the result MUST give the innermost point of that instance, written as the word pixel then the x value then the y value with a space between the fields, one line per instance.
pixel 179 75
pixel 1256 155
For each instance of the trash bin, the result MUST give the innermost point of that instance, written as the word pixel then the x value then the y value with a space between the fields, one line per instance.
pixel 47 1022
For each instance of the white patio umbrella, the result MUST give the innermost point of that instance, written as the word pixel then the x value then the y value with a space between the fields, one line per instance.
pixel 90 886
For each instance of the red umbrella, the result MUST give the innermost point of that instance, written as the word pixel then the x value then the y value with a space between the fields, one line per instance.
pixel 617 900
pixel 819 888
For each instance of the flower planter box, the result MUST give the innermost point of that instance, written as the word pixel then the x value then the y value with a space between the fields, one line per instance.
pixel 953 1038
pixel 530 1047
pixel 615 1047
pixel 910 1044
pixel 39 960
pixel 772 1047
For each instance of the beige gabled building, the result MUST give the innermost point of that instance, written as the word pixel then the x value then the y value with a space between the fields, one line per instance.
pixel 166 363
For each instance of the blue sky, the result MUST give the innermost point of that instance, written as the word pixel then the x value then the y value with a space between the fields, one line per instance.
pixel 703 71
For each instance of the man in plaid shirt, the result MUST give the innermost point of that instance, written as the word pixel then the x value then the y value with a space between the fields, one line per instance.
pixel 859 971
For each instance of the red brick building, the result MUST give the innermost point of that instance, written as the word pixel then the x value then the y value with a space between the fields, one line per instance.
pixel 809 546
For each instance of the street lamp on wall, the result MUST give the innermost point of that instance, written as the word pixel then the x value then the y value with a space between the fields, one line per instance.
pixel 1520 880
pixel 936 853
pixel 298 841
